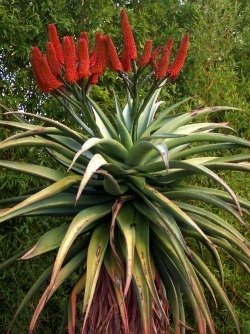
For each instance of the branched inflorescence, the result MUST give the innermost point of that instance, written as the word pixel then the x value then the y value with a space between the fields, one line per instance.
pixel 68 61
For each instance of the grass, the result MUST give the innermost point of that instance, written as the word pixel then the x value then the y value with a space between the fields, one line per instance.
pixel 18 278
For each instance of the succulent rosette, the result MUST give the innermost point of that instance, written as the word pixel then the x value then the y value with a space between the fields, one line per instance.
pixel 126 178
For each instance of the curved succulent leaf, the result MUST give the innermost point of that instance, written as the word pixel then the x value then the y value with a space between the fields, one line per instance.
pixel 117 276
pixel 49 241
pixel 39 142
pixel 82 221
pixel 35 131
pixel 12 259
pixel 201 128
pixel 95 163
pixel 40 171
pixel 206 137
pixel 159 121
pixel 62 205
pixel 157 217
pixel 142 247
pixel 188 117
pixel 212 217
pixel 206 198
pixel 217 193
pixel 127 114
pixel 201 149
pixel 96 251
pixel 207 172
pixel 63 274
pixel 78 288
pixel 125 137
pixel 141 149
pixel 111 185
pixel 42 279
pixel 213 230
pixel 108 125
pixel 111 144
pixel 166 203
pixel 48 192
pixel 144 297
pixel 22 126
pixel 126 223
pixel 176 305
pixel 65 129
pixel 147 115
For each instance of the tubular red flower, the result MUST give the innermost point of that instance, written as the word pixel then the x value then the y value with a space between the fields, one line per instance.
pixel 100 52
pixel 93 53
pixel 92 58
pixel 162 65
pixel 180 58
pixel 94 79
pixel 47 82
pixel 146 54
pixel 126 62
pixel 52 59
pixel 129 42
pixel 83 59
pixel 69 54
pixel 36 55
pixel 155 56
pixel 84 35
pixel 54 38
pixel 113 59
pixel 47 75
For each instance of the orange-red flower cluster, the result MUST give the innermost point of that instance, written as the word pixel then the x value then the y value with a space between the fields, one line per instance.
pixel 160 59
pixel 180 58
pixel 68 61
pixel 146 54
pixel 129 51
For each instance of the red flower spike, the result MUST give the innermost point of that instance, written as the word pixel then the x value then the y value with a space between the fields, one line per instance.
pixel 36 55
pixel 69 54
pixel 46 75
pixel 54 38
pixel 83 59
pixel 94 79
pixel 92 58
pixel 85 36
pixel 129 42
pixel 155 56
pixel 114 61
pixel 146 54
pixel 126 62
pixel 180 58
pixel 93 53
pixel 162 65
pixel 73 43
pixel 101 55
pixel 52 60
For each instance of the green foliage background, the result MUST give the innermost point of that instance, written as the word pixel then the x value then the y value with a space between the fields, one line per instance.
pixel 216 73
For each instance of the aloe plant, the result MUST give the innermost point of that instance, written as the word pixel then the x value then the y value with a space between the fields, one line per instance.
pixel 126 178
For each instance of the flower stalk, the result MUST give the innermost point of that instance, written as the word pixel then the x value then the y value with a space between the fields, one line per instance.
pixel 72 66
